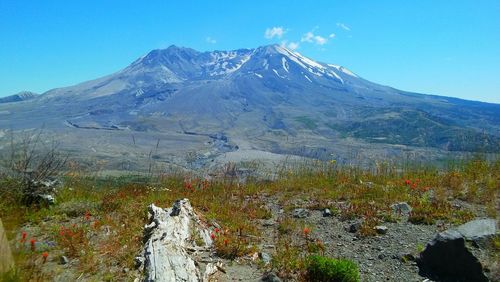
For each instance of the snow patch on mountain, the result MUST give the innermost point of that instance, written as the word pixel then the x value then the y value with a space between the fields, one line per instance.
pixel 342 69
pixel 306 63
pixel 284 63
pixel 276 72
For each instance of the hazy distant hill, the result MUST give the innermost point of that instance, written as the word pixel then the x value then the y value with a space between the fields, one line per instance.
pixel 21 96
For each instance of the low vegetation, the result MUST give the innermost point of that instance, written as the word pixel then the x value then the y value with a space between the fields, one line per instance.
pixel 97 222
pixel 323 269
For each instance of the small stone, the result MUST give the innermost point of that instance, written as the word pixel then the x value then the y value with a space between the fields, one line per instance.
pixel 48 199
pixel 327 213
pixel 353 228
pixel 401 208
pixel 300 213
pixel 270 277
pixel 126 270
pixel 267 222
pixel 369 184
pixel 63 260
pixel 381 256
pixel 381 229
pixel 265 257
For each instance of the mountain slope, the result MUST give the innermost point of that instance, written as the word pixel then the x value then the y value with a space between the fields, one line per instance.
pixel 269 98
pixel 21 96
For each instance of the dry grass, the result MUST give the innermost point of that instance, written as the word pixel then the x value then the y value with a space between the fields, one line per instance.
pixel 105 238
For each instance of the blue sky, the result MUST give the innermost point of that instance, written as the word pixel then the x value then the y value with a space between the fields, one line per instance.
pixel 449 48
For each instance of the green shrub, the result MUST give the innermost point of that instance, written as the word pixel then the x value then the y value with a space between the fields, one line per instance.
pixel 320 268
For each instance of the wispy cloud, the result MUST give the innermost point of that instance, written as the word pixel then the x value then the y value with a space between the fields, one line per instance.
pixel 313 38
pixel 332 35
pixel 211 40
pixel 276 31
pixel 343 26
pixel 293 45
pixel 290 45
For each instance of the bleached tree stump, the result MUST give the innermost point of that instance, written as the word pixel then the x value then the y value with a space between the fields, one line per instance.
pixel 175 237
pixel 6 260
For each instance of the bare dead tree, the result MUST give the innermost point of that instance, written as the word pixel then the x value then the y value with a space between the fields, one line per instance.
pixel 35 163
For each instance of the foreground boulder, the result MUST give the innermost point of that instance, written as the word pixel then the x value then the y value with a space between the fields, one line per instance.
pixel 453 255
pixel 176 240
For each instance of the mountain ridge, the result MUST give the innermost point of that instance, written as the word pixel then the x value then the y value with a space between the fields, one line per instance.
pixel 261 98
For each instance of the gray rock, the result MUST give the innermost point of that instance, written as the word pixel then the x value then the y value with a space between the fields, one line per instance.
pixel 268 222
pixel 448 258
pixel 478 229
pixel 354 227
pixel 327 213
pixel 47 199
pixel 63 260
pixel 265 257
pixel 300 213
pixel 270 277
pixel 401 208
pixel 381 229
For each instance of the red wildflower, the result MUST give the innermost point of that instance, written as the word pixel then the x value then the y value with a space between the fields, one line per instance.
pixel 407 182
pixel 212 235
pixel 216 230
pixel 306 231
pixel 226 241
pixel 45 255
pixel 87 215
pixel 414 186
pixel 32 243
pixel 188 185
pixel 23 237
pixel 62 231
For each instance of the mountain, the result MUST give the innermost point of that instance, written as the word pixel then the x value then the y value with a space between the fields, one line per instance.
pixel 21 96
pixel 267 99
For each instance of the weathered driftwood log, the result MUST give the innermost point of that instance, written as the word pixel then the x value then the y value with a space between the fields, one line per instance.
pixel 174 239
pixel 6 260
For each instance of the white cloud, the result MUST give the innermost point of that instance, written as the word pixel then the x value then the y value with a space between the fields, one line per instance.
pixel 343 26
pixel 312 38
pixel 308 37
pixel 276 31
pixel 320 40
pixel 211 40
pixel 332 35
pixel 290 45
pixel 293 45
